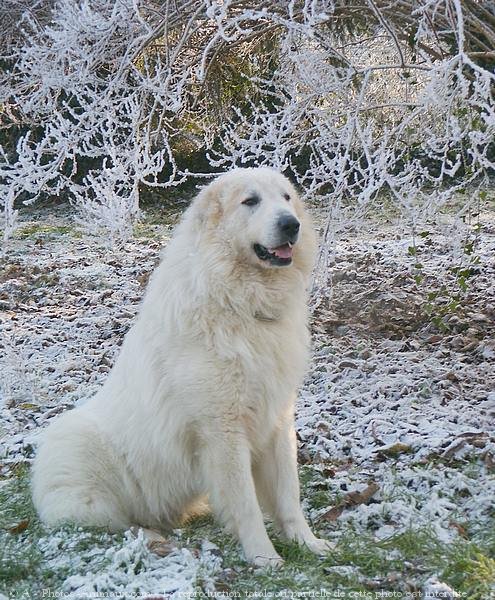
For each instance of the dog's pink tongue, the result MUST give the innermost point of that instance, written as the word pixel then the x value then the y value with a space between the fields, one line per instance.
pixel 284 251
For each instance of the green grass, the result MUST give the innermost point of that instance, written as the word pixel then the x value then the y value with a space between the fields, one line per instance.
pixel 410 557
pixel 43 230
pixel 25 569
pixel 17 559
pixel 157 222
pixel 359 563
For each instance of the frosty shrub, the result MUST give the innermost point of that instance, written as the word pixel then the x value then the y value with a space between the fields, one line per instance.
pixel 101 99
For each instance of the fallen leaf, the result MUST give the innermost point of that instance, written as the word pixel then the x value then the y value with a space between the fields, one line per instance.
pixel 355 498
pixel 347 364
pixel 489 462
pixel 451 376
pixel 375 435
pixel 461 530
pixel 453 449
pixel 155 542
pixel 161 548
pixel 334 513
pixel 395 449
pixel 328 472
pixel 476 439
pixel 470 346
pixel 351 499
pixel 19 527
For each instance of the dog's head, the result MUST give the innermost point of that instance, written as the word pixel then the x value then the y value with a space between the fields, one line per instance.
pixel 258 214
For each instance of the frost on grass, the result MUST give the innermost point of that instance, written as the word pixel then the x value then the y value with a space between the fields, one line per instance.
pixel 385 384
pixel 125 569
pixel 388 398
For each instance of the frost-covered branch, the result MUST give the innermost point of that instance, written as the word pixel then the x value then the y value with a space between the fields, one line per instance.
pixel 102 99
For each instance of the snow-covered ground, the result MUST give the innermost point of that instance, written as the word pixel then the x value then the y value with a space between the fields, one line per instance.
pixel 385 383
pixel 389 399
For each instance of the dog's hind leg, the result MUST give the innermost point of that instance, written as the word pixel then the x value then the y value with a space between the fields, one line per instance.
pixel 75 477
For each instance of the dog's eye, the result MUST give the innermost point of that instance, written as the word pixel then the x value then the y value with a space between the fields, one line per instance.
pixel 287 197
pixel 251 201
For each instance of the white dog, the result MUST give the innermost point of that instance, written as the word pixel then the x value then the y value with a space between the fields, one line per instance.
pixel 200 402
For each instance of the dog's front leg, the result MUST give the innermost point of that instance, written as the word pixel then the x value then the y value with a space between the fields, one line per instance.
pixel 229 481
pixel 277 484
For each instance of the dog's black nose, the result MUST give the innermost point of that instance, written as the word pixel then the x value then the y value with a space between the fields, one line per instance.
pixel 289 225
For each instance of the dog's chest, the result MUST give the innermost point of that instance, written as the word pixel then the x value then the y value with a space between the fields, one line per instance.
pixel 268 374
pixel 272 354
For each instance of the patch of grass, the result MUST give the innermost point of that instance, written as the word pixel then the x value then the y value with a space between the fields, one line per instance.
pixel 147 231
pixel 470 570
pixel 157 223
pixel 302 571
pixel 25 567
pixel 358 563
pixel 43 229
pixel 18 556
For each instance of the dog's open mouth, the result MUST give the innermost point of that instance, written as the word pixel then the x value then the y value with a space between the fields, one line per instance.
pixel 280 256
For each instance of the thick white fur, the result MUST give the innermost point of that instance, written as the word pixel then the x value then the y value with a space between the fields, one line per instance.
pixel 200 402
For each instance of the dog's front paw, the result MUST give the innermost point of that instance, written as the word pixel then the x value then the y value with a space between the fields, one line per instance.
pixel 319 546
pixel 267 561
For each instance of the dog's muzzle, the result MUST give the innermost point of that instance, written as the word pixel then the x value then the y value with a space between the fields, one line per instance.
pixel 281 255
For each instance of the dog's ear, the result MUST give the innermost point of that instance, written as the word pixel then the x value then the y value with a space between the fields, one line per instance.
pixel 207 207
